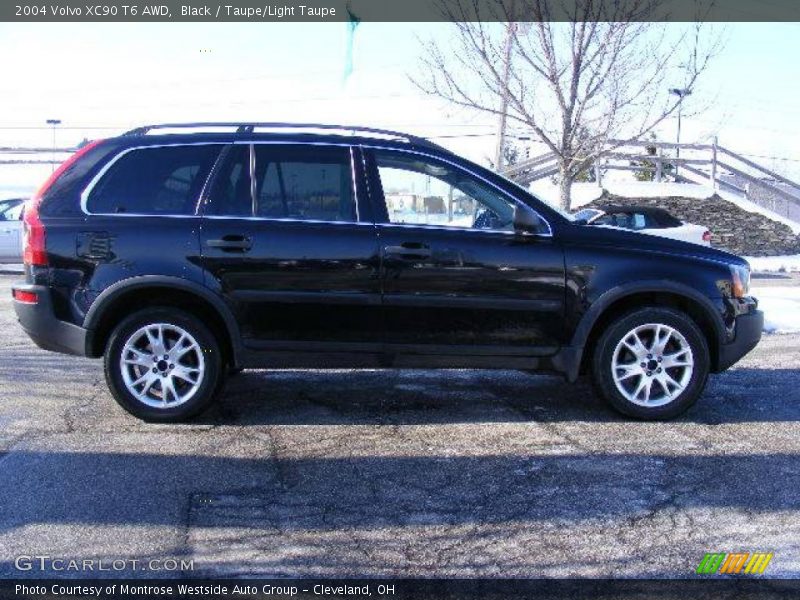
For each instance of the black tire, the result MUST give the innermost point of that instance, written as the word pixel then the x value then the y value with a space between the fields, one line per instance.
pixel 684 397
pixel 207 384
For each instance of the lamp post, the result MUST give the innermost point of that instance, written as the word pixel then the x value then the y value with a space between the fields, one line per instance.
pixel 501 126
pixel 681 93
pixel 54 123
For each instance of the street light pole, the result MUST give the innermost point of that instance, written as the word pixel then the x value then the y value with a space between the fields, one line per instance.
pixel 681 93
pixel 501 126
pixel 54 123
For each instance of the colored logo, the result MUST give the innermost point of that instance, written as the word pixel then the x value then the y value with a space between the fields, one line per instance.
pixel 753 563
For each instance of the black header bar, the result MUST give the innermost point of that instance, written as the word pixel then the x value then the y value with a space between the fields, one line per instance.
pixel 316 11
pixel 400 589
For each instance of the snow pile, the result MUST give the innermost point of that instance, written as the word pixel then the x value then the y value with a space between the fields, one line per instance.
pixel 781 306
pixel 774 264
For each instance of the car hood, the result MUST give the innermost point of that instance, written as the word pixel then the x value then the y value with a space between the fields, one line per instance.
pixel 637 242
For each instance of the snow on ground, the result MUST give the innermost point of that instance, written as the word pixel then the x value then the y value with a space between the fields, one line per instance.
pixel 774 264
pixel 584 193
pixel 781 306
pixel 21 191
pixel 21 181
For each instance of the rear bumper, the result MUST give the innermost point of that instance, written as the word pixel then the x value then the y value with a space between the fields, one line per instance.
pixel 747 334
pixel 40 323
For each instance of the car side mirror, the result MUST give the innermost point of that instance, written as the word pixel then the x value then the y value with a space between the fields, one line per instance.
pixel 526 221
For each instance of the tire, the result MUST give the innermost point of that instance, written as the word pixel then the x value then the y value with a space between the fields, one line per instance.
pixel 190 378
pixel 654 391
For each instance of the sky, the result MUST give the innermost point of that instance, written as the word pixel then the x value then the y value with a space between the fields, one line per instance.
pixel 103 79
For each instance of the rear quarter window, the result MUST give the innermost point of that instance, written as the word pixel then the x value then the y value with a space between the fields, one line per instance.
pixel 154 181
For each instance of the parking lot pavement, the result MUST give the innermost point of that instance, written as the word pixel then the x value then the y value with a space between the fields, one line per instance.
pixel 406 473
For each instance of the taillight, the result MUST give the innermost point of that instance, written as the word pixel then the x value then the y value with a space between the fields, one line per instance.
pixel 33 236
pixel 33 250
pixel 707 236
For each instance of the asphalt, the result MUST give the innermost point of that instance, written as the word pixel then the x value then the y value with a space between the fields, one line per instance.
pixel 345 473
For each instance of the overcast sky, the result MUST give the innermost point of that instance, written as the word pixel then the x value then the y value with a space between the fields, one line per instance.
pixel 122 75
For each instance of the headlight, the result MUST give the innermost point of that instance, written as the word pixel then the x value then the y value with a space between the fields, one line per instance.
pixel 740 277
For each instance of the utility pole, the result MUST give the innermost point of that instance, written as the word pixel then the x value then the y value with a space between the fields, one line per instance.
pixel 681 93
pixel 54 123
pixel 511 29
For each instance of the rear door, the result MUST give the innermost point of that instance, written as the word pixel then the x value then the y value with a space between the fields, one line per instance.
pixel 287 243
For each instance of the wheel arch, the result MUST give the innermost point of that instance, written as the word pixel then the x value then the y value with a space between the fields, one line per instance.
pixel 121 298
pixel 620 300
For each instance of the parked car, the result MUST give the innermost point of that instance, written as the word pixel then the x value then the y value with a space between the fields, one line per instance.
pixel 646 219
pixel 10 227
pixel 182 253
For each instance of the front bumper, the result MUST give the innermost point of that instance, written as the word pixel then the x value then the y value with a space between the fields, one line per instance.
pixel 747 333
pixel 44 328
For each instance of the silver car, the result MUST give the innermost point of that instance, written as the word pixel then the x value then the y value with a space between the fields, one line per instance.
pixel 11 229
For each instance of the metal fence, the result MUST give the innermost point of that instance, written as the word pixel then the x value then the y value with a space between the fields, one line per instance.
pixel 709 164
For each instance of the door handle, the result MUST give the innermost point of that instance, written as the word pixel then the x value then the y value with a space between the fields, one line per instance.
pixel 408 250
pixel 231 243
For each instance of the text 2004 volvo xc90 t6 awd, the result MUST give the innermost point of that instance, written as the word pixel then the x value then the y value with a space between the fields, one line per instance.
pixel 182 253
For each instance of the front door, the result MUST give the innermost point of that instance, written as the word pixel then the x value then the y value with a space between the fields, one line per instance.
pixel 287 244
pixel 456 277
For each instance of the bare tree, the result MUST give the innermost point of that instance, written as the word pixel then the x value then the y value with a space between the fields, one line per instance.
pixel 578 74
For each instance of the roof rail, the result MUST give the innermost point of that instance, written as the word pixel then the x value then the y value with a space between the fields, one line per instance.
pixel 250 127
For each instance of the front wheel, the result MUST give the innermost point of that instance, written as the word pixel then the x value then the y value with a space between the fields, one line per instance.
pixel 163 365
pixel 651 363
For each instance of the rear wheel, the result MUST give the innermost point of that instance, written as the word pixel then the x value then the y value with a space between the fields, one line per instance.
pixel 163 365
pixel 651 363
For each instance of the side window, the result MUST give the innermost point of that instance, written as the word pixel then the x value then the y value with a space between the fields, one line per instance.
pixel 422 191
pixel 623 219
pixel 230 194
pixel 292 182
pixel 307 183
pixel 11 211
pixel 638 221
pixel 157 181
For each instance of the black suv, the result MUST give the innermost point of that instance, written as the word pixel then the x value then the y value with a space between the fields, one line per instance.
pixel 182 253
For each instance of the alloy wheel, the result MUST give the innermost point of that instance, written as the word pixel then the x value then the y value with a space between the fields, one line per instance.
pixel 652 364
pixel 162 365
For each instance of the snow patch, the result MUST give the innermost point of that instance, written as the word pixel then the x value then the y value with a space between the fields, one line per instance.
pixel 774 264
pixel 781 306
pixel 21 191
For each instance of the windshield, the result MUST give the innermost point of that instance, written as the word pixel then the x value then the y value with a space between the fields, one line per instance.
pixel 586 214
pixel 568 216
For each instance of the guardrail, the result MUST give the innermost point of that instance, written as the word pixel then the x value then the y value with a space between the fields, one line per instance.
pixel 712 164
